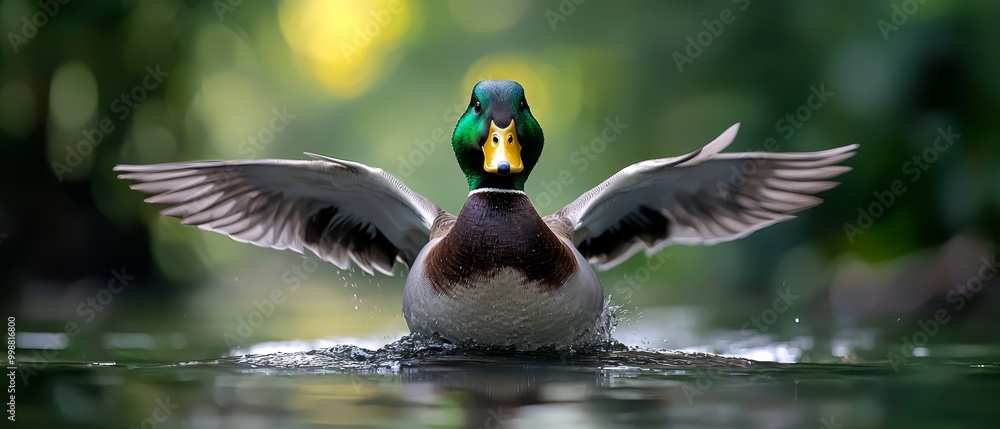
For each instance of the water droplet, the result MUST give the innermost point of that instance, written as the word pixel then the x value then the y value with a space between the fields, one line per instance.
pixel 796 320
pixel 355 307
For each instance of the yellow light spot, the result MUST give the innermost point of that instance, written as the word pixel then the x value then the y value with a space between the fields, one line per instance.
pixel 344 44
pixel 543 83
pixel 230 106
pixel 73 97
pixel 486 17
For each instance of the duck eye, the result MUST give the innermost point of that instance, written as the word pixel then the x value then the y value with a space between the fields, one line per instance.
pixel 478 108
pixel 523 104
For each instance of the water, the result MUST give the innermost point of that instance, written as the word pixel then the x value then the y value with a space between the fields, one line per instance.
pixel 426 383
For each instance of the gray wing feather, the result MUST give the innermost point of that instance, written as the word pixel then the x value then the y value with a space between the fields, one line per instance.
pixel 340 210
pixel 704 197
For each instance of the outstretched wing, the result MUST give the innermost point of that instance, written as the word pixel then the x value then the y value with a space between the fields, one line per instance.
pixel 704 197
pixel 340 210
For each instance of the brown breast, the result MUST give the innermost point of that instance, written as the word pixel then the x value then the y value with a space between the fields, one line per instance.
pixel 498 230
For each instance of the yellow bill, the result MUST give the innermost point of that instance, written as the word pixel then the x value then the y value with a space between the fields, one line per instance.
pixel 502 150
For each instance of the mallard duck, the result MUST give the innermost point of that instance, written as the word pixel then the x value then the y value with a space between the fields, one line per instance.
pixel 498 273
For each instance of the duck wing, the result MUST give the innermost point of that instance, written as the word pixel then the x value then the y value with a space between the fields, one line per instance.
pixel 340 210
pixel 704 197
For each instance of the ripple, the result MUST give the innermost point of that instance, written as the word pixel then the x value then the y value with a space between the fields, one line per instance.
pixel 420 352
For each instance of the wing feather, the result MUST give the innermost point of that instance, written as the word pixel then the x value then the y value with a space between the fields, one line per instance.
pixel 342 211
pixel 704 197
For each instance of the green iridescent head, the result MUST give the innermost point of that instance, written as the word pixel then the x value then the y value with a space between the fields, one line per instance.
pixel 497 141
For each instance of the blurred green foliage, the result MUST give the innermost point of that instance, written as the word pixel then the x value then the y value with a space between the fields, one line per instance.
pixel 383 83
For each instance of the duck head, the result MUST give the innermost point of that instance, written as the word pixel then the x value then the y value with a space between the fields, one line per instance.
pixel 497 141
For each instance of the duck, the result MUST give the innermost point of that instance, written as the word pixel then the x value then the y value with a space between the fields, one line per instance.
pixel 498 273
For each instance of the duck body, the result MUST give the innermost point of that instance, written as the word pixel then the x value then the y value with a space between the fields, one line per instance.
pixel 498 274
pixel 502 276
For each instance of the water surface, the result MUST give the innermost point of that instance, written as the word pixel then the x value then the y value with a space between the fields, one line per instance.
pixel 426 383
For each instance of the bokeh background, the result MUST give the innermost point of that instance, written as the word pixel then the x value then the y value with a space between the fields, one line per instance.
pixel 383 83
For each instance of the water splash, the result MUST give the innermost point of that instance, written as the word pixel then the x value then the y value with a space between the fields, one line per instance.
pixel 414 351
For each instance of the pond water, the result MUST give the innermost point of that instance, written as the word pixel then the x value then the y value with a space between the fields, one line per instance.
pixel 420 383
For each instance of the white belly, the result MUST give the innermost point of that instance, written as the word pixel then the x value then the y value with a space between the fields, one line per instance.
pixel 507 310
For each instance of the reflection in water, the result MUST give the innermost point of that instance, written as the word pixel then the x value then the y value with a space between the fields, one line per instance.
pixel 427 383
pixel 498 388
